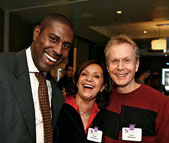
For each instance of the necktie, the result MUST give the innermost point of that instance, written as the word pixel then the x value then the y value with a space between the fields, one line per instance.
pixel 45 107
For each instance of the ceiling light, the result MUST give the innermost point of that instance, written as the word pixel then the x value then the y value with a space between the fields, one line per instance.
pixel 159 44
pixel 145 32
pixel 119 12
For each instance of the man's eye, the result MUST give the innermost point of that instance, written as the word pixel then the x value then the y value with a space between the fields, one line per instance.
pixel 66 46
pixel 53 39
pixel 127 60
pixel 114 61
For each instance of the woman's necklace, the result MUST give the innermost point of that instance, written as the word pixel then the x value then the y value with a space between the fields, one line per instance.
pixel 84 114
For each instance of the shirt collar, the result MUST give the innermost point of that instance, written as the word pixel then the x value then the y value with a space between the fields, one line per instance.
pixel 31 65
pixel 71 101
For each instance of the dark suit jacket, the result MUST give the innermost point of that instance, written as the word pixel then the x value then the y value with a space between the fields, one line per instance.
pixel 17 115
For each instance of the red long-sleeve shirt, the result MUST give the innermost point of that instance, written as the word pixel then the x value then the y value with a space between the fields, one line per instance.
pixel 145 107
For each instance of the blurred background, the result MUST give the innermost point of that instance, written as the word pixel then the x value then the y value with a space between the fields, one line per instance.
pixel 94 22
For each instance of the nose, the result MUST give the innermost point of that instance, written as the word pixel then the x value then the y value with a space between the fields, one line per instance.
pixel 57 49
pixel 89 78
pixel 120 65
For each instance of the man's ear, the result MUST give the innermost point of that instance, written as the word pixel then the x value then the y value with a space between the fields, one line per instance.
pixel 137 65
pixel 36 33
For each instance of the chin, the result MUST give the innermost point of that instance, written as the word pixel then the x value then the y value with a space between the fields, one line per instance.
pixel 45 69
pixel 120 84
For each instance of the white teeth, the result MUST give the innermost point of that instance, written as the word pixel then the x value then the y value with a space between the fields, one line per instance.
pixel 88 86
pixel 121 75
pixel 50 58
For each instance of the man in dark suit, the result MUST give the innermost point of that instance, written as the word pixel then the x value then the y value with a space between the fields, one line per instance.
pixel 20 115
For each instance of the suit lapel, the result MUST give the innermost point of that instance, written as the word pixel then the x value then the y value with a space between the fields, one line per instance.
pixel 23 93
pixel 57 102
pixel 22 88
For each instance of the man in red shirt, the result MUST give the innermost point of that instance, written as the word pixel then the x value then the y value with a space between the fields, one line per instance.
pixel 136 112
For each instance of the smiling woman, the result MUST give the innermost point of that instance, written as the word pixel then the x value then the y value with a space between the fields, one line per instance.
pixel 84 103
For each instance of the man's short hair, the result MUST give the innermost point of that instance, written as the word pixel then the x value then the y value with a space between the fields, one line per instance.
pixel 68 65
pixel 116 40
pixel 50 18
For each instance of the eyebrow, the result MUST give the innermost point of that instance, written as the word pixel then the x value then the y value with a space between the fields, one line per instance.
pixel 94 72
pixel 52 34
pixel 126 57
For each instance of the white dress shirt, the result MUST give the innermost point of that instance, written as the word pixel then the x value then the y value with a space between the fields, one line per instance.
pixel 34 85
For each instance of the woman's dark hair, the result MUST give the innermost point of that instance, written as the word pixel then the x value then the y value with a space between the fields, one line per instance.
pixel 102 98
pixel 155 82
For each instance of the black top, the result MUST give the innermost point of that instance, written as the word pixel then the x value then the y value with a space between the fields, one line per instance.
pixel 70 126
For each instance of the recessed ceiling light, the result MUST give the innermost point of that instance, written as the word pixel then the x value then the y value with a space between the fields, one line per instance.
pixel 145 32
pixel 119 12
pixel 87 15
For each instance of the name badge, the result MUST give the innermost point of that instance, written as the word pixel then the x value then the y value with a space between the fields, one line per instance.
pixel 132 135
pixel 94 135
